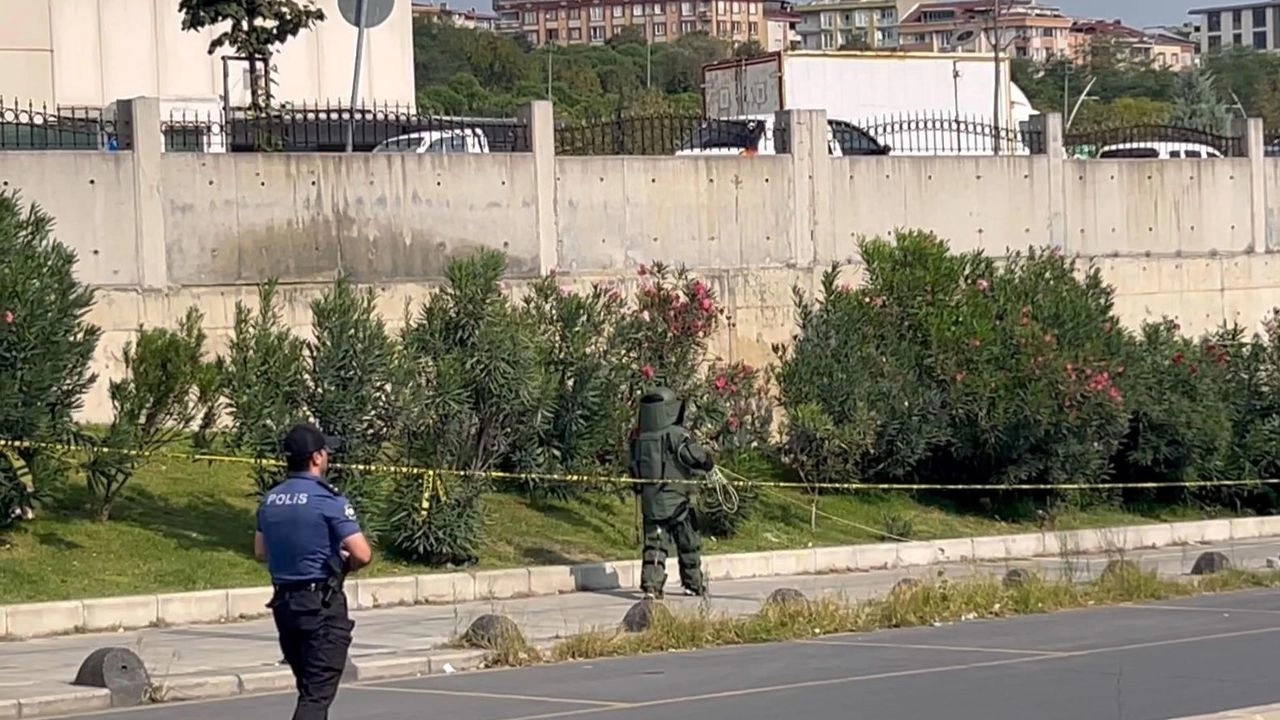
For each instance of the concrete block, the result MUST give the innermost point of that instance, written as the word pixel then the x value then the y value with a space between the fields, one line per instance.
pixel 878 555
pixel 4 621
pixel 1023 545
pixel 954 549
pixel 1248 528
pixel 1149 536
pixel 206 606
pixel 121 612
pixel 199 688
pixel 446 588
pixel 605 576
pixel 391 668
pixel 264 682
pixel 916 553
pixel 1203 531
pixel 50 618
pixel 502 584
pixel 69 703
pixel 458 660
pixel 551 580
pixel 794 562
pixel 245 603
pixel 381 592
pixel 8 709
pixel 842 558
pixel 738 565
pixel 1085 541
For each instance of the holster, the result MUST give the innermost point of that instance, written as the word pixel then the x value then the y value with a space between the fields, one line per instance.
pixel 334 583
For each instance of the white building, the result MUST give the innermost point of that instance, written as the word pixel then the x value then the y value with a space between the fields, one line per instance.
pixel 92 52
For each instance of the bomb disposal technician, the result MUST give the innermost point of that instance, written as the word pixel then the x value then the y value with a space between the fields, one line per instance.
pixel 309 538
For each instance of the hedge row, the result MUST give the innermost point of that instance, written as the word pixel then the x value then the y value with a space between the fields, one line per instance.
pixel 941 369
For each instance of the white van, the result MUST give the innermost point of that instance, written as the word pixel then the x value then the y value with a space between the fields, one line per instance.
pixel 753 135
pixel 447 141
pixel 1158 151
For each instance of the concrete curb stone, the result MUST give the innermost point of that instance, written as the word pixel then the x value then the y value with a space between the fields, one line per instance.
pixel 1258 712
pixel 76 701
pixel 8 709
pixel 213 606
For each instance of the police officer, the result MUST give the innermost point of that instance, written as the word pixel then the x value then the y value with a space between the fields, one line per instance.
pixel 662 451
pixel 309 538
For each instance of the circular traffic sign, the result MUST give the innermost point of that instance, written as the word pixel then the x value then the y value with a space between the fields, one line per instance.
pixel 376 12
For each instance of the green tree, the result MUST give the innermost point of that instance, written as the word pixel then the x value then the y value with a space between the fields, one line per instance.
pixel 253 28
pixel 1198 104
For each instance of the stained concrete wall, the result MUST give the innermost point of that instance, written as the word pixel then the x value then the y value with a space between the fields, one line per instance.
pixel 159 232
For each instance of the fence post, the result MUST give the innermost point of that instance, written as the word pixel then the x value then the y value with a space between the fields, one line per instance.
pixel 540 116
pixel 138 131
pixel 812 241
pixel 1255 150
pixel 1055 153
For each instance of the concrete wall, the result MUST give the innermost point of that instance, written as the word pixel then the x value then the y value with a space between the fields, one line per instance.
pixel 90 52
pixel 158 232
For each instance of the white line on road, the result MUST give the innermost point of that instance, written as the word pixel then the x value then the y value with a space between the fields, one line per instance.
pixel 491 696
pixel 956 648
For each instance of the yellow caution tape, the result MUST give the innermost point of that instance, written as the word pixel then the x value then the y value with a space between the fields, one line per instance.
pixel 433 479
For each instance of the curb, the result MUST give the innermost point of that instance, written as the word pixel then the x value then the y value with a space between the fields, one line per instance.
pixel 23 621
pixel 1257 712
pixel 208 687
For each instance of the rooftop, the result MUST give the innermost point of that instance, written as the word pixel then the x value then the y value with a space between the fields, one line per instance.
pixel 1237 6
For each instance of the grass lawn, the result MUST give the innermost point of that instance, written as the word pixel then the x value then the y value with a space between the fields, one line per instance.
pixel 182 526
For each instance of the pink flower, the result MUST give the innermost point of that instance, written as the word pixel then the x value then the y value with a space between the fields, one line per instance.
pixel 699 289
pixel 642 271
pixel 565 291
pixel 647 372
pixel 1114 394
pixel 722 382
pixel 734 423
pixel 975 343
pixel 615 295
pixel 706 304
pixel 644 315
pixel 8 317
pixel 983 284
pixel 959 376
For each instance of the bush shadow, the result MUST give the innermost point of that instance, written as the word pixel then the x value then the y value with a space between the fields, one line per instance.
pixel 200 523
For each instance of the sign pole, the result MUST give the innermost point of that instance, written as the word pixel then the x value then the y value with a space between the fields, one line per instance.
pixel 362 9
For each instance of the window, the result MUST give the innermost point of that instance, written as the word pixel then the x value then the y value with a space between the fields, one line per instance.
pixel 688 26
pixel 1129 152
pixel 853 140
pixel 1190 154
pixel 597 33
pixel 532 37
pixel 827 19
pixel 551 16
pixel 448 144
pixel 619 10
pixel 575 13
pixel 753 28
pixel 722 7
pixel 686 9
pixel 553 35
pixel 736 7
pixel 1215 42
pixel 722 28
pixel 530 18
pixel 1213 21
pixel 673 8
pixel 1259 18
pixel 575 34
pixel 889 15
pixel 596 13
pixel 1046 32
pixel 655 9
pixel 861 19
pixel 1259 39
pixel 826 41
pixel 637 10
pixel 1236 19
pixel 1237 39
pixel 726 134
pixel 659 29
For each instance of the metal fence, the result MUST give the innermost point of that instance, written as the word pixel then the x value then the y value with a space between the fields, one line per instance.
pixel 1146 141
pixel 325 128
pixel 26 126
pixel 656 135
pixel 953 134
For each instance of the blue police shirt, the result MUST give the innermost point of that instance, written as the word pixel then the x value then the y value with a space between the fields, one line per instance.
pixel 303 523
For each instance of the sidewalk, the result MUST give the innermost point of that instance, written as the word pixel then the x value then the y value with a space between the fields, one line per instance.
pixel 205 661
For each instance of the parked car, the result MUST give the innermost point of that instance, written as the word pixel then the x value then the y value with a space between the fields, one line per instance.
pixel 1158 150
pixel 447 141
pixel 755 136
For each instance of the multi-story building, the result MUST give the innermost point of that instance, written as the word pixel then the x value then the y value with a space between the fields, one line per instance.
pixel 441 12
pixel 848 24
pixel 1255 25
pixel 571 22
pixel 780 24
pixel 1026 29
pixel 1163 49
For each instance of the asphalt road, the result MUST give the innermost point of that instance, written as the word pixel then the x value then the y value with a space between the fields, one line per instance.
pixel 1144 662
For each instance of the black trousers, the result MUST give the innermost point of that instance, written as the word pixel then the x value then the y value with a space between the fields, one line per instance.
pixel 315 635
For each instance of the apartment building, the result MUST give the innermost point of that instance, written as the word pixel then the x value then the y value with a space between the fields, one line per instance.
pixel 441 12
pixel 848 24
pixel 1255 25
pixel 1163 49
pixel 571 22
pixel 781 22
pixel 1027 29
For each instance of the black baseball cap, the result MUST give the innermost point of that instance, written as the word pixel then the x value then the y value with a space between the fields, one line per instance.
pixel 305 439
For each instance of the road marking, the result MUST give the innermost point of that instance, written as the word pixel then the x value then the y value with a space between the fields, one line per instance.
pixel 896 674
pixel 487 695
pixel 1192 608
pixel 907 646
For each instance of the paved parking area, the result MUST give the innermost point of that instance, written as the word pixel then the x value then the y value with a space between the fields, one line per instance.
pixel 1141 662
